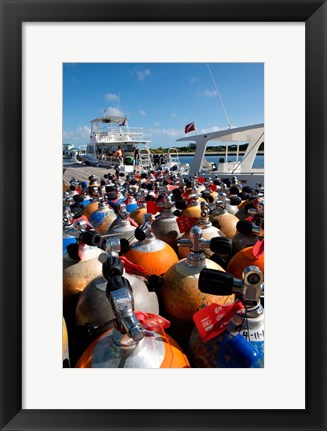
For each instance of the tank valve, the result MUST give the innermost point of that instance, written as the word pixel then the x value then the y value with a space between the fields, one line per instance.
pixel 196 257
pixel 119 294
pixel 250 288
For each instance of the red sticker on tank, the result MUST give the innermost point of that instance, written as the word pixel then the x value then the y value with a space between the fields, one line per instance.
pixel 185 223
pixel 152 207
pixel 132 221
pixel 81 250
pixel 258 249
pixel 212 320
pixel 150 321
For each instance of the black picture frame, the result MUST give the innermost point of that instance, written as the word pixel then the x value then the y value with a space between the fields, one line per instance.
pixel 13 14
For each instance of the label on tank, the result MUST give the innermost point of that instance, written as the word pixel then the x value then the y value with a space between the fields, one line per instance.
pixel 252 334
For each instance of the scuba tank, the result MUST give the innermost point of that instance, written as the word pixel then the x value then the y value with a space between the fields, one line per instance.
pixel 77 276
pixel 131 204
pixel 221 218
pixel 65 350
pixel 94 194
pixel 128 344
pixel 84 246
pixel 246 235
pixel 165 226
pixel 67 237
pixel 208 232
pixel 152 254
pixel 123 228
pixel 232 206
pixel 138 213
pixel 93 307
pixel 102 218
pixel 253 255
pixel 194 208
pixel 244 258
pixel 239 343
pixel 180 295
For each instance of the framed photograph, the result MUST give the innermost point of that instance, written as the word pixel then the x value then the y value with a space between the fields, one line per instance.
pixel 37 39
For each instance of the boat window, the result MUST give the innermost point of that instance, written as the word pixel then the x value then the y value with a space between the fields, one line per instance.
pixel 128 148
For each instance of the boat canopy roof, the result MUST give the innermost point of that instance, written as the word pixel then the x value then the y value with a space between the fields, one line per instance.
pixel 239 134
pixel 109 119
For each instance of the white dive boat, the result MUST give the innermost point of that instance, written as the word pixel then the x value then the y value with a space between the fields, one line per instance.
pixel 107 134
pixel 242 168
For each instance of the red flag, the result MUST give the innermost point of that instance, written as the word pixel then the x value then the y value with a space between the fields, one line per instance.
pixel 189 127
pixel 124 122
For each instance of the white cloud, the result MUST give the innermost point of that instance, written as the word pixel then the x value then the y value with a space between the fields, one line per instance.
pixel 173 115
pixel 142 73
pixel 110 97
pixel 114 111
pixel 170 133
pixel 82 132
pixel 194 79
pixel 142 113
pixel 157 124
pixel 207 93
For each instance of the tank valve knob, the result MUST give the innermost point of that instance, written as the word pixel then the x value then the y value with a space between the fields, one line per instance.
pixel 250 287
pixel 111 267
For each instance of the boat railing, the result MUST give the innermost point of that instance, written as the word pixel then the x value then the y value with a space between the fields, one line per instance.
pixel 118 131
pixel 145 161
pixel 173 155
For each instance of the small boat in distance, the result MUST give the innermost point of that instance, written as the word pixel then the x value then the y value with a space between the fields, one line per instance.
pixel 107 134
pixel 242 168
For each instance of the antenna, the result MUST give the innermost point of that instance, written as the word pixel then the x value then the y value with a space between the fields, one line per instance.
pixel 221 100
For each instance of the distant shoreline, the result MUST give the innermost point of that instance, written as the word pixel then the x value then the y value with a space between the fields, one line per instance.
pixel 218 153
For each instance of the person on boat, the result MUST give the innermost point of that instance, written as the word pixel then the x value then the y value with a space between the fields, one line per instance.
pixel 119 154
pixel 136 159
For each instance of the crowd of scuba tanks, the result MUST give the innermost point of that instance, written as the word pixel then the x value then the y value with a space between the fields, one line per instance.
pixel 163 272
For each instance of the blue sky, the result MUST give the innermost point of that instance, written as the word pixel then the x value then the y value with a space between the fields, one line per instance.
pixel 161 97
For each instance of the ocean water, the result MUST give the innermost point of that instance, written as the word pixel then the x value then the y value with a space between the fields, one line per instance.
pixel 258 162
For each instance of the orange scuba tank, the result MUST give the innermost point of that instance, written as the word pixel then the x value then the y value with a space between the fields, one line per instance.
pixel 242 259
pixel 152 254
pixel 138 214
pixel 128 343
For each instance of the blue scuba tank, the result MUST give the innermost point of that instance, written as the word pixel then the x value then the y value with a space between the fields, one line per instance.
pixel 241 345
